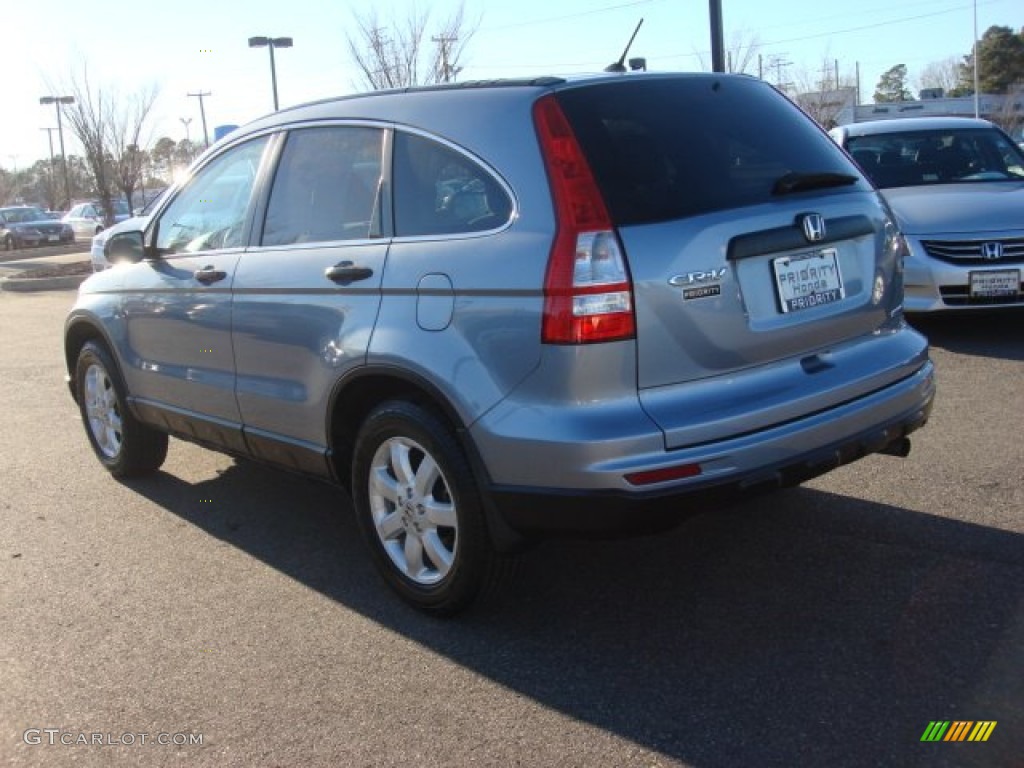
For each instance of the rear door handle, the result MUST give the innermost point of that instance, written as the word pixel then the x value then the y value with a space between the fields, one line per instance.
pixel 346 272
pixel 209 274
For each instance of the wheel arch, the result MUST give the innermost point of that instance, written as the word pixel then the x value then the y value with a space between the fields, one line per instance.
pixel 359 393
pixel 80 330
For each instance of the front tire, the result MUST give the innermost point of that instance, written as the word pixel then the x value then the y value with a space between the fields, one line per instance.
pixel 419 509
pixel 124 445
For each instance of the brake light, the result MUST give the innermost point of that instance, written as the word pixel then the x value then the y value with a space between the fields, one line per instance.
pixel 588 294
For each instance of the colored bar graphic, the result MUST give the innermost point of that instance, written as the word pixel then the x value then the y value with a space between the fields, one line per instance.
pixel 982 731
pixel 958 730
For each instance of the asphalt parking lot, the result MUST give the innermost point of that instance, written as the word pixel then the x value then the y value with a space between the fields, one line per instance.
pixel 224 603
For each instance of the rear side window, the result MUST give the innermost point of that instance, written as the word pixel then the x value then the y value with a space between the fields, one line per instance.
pixel 665 149
pixel 327 186
pixel 209 213
pixel 439 191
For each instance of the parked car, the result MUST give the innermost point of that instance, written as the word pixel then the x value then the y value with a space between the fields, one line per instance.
pixel 493 311
pixel 956 186
pixel 24 225
pixel 88 219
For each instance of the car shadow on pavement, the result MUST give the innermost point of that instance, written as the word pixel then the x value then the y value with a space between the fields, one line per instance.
pixel 799 629
pixel 986 334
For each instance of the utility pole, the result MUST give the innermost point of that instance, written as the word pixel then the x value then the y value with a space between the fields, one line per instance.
pixel 202 114
pixel 447 72
pixel 779 62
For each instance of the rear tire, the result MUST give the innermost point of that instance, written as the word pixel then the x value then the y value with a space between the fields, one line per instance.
pixel 420 512
pixel 124 445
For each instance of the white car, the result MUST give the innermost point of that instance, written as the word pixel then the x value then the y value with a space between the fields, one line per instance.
pixel 87 219
pixel 956 186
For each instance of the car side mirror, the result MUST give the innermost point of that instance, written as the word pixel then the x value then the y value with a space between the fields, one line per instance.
pixel 126 247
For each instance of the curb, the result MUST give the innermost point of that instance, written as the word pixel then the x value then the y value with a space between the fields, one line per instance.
pixel 26 285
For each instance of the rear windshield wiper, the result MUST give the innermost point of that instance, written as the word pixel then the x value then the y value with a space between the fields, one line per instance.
pixel 800 182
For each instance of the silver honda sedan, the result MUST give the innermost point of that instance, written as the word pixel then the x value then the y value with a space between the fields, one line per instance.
pixel 956 186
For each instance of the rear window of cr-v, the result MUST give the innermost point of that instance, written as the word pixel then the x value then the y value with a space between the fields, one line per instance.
pixel 667 149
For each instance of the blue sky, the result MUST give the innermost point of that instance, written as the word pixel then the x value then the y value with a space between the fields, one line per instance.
pixel 188 46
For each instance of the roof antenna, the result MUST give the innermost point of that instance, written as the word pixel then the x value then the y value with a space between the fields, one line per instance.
pixel 620 66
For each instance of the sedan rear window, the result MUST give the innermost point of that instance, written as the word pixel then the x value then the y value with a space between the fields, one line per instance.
pixel 667 149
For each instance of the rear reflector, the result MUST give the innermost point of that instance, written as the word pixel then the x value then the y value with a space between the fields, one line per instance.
pixel 663 475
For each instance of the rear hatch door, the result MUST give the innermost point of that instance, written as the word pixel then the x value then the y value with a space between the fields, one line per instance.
pixel 757 250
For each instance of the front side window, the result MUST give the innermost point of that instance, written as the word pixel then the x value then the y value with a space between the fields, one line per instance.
pixel 327 186
pixel 441 191
pixel 210 211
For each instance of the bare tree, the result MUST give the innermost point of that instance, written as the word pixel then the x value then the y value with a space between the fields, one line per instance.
pixel 741 54
pixel 395 55
pixel 125 134
pixel 89 116
pixel 1010 116
pixel 824 94
pixel 103 130
pixel 944 74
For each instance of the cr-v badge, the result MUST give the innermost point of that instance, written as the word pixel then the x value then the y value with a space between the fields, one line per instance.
pixel 700 284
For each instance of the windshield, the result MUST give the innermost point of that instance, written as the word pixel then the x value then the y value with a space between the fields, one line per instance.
pixel 22 215
pixel 915 158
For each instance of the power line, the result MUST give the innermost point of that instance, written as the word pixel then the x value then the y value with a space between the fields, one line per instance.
pixel 566 17
pixel 830 33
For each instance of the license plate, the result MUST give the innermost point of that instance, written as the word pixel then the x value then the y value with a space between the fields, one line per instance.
pixel 995 284
pixel 53 238
pixel 808 280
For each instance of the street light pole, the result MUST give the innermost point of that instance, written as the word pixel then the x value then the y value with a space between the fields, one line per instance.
pixel 271 43
pixel 57 101
pixel 202 114
pixel 717 36
pixel 53 171
pixel 977 111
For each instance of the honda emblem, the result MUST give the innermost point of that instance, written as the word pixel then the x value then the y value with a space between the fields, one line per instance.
pixel 992 251
pixel 814 227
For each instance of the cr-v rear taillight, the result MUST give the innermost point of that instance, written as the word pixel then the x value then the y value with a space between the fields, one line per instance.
pixel 588 294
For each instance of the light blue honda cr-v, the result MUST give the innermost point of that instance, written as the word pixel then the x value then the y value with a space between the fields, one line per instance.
pixel 498 310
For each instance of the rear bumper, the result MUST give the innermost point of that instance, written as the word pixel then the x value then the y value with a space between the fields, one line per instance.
pixel 534 511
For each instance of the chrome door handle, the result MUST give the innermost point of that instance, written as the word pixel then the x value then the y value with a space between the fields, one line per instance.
pixel 208 275
pixel 346 272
